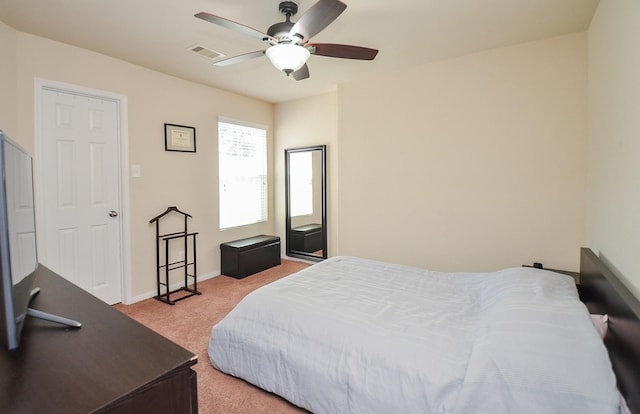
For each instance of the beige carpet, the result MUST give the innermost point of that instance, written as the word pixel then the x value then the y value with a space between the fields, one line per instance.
pixel 189 323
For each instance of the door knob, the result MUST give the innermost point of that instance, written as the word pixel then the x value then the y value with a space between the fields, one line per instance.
pixel 113 213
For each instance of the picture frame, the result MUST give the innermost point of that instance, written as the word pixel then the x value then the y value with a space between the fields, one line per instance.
pixel 179 138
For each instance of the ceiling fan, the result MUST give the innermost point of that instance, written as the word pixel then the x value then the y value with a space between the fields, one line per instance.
pixel 289 41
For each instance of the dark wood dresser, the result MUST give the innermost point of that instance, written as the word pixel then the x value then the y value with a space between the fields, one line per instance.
pixel 112 364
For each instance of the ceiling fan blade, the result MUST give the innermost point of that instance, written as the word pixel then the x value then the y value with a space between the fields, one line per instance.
pixel 342 51
pixel 239 58
pixel 316 18
pixel 302 73
pixel 230 24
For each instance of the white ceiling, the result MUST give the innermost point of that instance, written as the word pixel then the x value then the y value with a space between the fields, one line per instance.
pixel 157 34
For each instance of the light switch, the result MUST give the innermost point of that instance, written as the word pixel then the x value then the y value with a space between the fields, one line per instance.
pixel 136 171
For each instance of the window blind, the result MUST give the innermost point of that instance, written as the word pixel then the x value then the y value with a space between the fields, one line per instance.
pixel 242 171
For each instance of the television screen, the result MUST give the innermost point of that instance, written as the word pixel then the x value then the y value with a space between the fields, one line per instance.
pixel 17 237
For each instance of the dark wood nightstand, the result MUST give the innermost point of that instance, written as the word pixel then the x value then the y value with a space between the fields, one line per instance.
pixel 574 275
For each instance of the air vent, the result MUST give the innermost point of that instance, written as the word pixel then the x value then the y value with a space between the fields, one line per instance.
pixel 205 52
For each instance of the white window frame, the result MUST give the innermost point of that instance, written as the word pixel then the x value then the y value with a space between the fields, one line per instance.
pixel 243 181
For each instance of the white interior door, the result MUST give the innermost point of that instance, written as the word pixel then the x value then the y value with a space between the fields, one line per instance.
pixel 20 213
pixel 80 191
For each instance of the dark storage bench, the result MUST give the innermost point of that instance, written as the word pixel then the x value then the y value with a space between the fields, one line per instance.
pixel 241 258
pixel 307 238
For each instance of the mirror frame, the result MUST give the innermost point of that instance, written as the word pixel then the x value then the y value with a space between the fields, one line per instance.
pixel 323 162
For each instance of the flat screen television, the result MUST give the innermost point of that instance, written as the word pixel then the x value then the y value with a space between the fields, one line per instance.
pixel 18 254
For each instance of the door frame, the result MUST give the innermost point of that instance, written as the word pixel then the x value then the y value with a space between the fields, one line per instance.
pixel 122 143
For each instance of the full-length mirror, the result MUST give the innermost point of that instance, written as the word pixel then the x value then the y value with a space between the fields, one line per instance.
pixel 306 202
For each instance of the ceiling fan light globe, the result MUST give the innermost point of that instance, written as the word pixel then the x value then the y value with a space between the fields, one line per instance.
pixel 287 57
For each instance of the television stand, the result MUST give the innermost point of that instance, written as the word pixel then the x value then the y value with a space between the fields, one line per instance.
pixel 34 313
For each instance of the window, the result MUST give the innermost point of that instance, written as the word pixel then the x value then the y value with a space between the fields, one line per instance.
pixel 242 164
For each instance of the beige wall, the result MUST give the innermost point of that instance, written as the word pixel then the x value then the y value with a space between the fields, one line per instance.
pixel 303 123
pixel 467 164
pixel 8 107
pixel 613 219
pixel 473 163
pixel 186 180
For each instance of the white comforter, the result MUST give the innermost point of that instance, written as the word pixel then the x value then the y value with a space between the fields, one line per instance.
pixel 349 335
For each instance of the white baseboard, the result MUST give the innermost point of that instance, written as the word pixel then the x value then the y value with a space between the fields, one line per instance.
pixel 201 278
pixel 177 285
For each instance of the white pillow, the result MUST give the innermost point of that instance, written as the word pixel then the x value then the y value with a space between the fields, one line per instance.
pixel 601 323
pixel 624 408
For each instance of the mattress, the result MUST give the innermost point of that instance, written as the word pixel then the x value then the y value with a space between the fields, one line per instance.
pixel 350 335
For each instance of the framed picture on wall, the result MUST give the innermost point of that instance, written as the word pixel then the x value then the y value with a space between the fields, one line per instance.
pixel 179 138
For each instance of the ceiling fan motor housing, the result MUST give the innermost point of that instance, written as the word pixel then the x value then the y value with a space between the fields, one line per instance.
pixel 281 30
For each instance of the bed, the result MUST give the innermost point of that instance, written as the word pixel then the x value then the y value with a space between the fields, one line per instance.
pixel 350 335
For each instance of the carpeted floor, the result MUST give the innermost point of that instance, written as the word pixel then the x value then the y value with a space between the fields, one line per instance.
pixel 189 323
